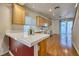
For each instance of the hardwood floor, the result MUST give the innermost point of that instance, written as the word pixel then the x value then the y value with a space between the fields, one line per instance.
pixel 55 48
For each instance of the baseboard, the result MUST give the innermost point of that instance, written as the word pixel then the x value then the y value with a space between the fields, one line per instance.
pixel 76 48
pixel 4 53
pixel 11 53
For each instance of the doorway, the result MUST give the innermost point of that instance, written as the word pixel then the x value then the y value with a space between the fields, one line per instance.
pixel 65 32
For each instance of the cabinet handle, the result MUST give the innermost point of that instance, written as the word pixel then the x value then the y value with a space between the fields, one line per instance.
pixel 15 49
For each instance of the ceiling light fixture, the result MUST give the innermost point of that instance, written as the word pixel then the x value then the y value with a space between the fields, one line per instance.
pixel 57 7
pixel 50 10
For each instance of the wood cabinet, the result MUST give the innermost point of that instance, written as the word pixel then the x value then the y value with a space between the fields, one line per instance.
pixel 40 21
pixel 18 14
pixel 19 49
pixel 43 48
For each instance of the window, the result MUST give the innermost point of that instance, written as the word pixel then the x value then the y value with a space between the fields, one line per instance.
pixel 29 22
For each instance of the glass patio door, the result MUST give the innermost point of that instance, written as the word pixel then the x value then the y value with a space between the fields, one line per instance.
pixel 65 32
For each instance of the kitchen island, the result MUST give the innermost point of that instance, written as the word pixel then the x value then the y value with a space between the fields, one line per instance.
pixel 21 44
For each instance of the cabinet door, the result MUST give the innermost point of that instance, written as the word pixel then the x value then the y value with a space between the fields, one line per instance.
pixel 13 47
pixel 42 48
pixel 41 21
pixel 18 14
pixel 19 49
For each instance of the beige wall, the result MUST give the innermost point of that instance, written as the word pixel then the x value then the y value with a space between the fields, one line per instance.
pixel 76 31
pixel 5 23
pixel 55 26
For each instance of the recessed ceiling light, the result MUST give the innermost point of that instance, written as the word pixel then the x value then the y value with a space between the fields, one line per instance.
pixel 50 10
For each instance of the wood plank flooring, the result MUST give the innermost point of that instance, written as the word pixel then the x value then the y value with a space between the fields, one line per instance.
pixel 55 48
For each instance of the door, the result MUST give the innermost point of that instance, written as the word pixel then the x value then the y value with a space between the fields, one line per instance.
pixel 65 32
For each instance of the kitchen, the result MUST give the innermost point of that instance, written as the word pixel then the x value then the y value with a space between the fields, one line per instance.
pixel 29 31
pixel 24 26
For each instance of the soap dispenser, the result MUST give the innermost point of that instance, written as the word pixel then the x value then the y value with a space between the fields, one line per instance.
pixel 30 31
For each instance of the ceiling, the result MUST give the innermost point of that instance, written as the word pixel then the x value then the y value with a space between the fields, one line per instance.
pixel 65 10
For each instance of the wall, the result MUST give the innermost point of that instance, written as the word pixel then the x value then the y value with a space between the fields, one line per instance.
pixel 5 24
pixel 55 26
pixel 33 14
pixel 75 32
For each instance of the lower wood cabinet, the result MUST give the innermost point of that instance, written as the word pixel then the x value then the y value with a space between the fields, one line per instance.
pixel 42 48
pixel 19 49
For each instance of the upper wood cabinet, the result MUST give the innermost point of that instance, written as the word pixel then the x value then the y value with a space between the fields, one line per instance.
pixel 18 14
pixel 40 21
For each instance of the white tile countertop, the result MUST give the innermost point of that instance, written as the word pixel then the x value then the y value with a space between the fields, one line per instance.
pixel 29 40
